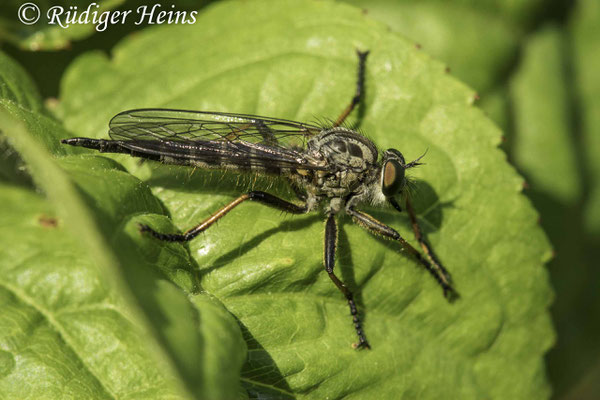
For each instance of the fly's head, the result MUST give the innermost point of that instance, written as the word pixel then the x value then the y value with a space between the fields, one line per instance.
pixel 393 175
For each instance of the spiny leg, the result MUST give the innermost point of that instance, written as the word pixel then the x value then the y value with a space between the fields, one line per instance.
pixel 360 83
pixel 379 228
pixel 331 237
pixel 261 197
pixel 435 263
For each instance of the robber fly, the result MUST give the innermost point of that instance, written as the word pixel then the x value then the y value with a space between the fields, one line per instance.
pixel 331 168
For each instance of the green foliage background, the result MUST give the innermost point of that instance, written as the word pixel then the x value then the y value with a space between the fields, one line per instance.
pixel 93 309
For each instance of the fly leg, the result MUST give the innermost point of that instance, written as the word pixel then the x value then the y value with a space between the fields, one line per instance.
pixel 260 197
pixel 331 237
pixel 360 83
pixel 379 228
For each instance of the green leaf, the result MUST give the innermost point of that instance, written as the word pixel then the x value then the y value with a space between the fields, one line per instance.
pixel 16 86
pixel 516 12
pixel 543 147
pixel 586 39
pixel 297 60
pixel 574 227
pixel 66 331
pixel 523 12
pixel 546 149
pixel 19 97
pixel 495 104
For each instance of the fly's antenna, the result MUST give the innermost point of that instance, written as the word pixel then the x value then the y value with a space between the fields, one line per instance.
pixel 416 162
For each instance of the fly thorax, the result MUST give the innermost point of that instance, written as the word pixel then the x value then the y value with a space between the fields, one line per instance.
pixel 349 157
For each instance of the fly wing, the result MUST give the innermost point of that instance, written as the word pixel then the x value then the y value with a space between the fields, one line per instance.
pixel 216 137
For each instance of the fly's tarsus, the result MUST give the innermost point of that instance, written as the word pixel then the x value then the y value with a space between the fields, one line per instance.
pixel 322 164
pixel 330 246
pixel 358 94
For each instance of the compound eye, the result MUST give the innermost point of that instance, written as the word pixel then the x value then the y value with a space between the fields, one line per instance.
pixel 392 179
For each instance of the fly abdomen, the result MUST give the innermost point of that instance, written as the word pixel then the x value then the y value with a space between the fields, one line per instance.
pixel 103 146
pixel 109 146
pixel 201 154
